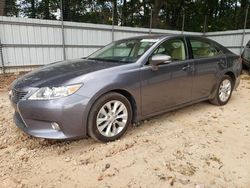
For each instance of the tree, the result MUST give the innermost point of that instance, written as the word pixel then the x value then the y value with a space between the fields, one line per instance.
pixel 9 8
pixel 167 14
pixel 2 7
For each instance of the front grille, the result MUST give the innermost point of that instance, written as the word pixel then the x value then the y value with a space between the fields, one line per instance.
pixel 18 95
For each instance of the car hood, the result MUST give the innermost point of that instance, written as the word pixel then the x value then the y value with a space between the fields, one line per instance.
pixel 61 72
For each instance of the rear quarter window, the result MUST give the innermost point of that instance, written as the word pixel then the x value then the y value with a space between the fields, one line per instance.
pixel 203 49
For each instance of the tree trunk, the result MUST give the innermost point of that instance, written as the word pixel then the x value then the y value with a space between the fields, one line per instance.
pixel 243 4
pixel 236 15
pixel 176 18
pixel 156 10
pixel 33 9
pixel 146 15
pixel 66 10
pixel 2 8
pixel 115 12
pixel 242 12
pixel 124 13
pixel 46 9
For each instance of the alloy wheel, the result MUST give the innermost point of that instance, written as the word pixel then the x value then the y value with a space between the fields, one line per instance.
pixel 225 90
pixel 112 118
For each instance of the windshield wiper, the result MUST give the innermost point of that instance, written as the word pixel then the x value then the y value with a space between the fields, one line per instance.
pixel 108 60
pixel 97 59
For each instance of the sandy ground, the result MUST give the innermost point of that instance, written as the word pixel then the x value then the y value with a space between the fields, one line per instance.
pixel 198 146
pixel 7 79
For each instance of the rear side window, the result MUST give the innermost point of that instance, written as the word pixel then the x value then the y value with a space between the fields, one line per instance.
pixel 203 49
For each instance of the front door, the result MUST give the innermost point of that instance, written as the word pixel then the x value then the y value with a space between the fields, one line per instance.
pixel 171 84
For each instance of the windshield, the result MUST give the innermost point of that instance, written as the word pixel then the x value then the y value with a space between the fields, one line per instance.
pixel 125 51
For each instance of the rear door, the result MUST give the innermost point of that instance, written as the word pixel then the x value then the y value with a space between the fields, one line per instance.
pixel 171 84
pixel 246 53
pixel 208 59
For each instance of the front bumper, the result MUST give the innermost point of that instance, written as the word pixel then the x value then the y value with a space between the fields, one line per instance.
pixel 70 113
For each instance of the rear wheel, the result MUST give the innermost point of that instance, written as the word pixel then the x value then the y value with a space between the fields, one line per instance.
pixel 223 92
pixel 109 117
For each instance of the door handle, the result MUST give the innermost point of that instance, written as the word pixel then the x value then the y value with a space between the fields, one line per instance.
pixel 221 62
pixel 186 67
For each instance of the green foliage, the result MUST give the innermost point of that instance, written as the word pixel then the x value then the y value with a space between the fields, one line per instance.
pixel 166 14
pixel 11 8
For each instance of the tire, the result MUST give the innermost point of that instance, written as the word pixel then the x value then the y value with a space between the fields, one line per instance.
pixel 106 114
pixel 218 99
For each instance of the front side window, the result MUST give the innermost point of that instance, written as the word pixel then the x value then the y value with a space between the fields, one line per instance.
pixel 202 49
pixel 125 51
pixel 175 48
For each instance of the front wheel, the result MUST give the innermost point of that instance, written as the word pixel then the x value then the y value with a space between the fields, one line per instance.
pixel 109 117
pixel 223 92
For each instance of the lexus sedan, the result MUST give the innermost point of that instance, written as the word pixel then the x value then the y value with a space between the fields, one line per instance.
pixel 124 82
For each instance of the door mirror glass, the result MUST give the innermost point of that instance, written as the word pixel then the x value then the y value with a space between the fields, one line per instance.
pixel 159 59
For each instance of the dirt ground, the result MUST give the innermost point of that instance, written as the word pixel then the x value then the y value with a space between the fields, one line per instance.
pixel 198 146
pixel 6 80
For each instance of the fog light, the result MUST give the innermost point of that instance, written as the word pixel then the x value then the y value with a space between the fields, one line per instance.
pixel 55 126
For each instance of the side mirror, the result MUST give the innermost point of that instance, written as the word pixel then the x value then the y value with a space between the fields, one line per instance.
pixel 159 59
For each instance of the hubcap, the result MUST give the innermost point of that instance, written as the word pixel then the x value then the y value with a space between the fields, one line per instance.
pixel 112 118
pixel 225 90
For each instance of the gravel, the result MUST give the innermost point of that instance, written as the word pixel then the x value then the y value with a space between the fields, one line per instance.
pixel 198 146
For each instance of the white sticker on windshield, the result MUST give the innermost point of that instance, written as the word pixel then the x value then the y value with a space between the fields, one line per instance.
pixel 149 40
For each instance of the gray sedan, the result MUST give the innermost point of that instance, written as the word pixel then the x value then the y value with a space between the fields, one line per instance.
pixel 124 82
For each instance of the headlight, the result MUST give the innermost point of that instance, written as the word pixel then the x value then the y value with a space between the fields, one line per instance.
pixel 46 93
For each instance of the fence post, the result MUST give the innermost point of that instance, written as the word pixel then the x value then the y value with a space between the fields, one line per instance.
pixel 63 36
pixel 244 31
pixel 205 25
pixel 183 21
pixel 1 54
pixel 151 21
pixel 113 22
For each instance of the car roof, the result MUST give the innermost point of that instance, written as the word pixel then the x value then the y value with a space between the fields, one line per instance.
pixel 161 36
pixel 165 36
pixel 152 36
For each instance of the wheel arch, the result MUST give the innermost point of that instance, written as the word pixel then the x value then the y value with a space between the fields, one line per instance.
pixel 232 76
pixel 214 89
pixel 124 93
pixel 130 98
